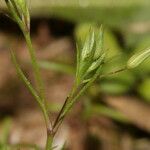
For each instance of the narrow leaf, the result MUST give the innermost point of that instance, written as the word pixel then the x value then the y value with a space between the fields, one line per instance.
pixel 25 80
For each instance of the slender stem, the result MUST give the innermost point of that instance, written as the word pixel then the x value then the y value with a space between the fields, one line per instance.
pixel 36 69
pixel 41 90
pixel 65 103
pixel 49 141
pixel 60 112
pixel 43 103
pixel 39 83
pixel 30 88
pixel 38 93
pixel 113 72
pixel 72 101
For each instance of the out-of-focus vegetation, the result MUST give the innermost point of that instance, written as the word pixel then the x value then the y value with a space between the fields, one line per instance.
pixel 122 98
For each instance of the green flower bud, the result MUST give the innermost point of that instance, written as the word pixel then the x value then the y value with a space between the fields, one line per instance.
pixel 91 55
pixel 99 43
pixel 19 12
pixel 23 10
pixel 96 64
pixel 88 46
pixel 138 58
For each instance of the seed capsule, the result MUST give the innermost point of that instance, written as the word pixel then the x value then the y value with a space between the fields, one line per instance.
pixel 96 63
pixel 138 58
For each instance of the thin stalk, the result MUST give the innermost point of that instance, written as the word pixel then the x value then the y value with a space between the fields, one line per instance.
pixel 36 69
pixel 40 86
pixel 35 65
pixel 72 101
pixel 65 103
pixel 113 72
pixel 37 93
pixel 49 141
pixel 60 112
pixel 38 99
pixel 29 86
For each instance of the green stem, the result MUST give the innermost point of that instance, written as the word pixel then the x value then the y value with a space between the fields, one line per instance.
pixel 36 69
pixel 49 141
pixel 40 86
pixel 113 72
pixel 65 103
pixel 38 93
pixel 41 90
pixel 70 102
pixel 30 88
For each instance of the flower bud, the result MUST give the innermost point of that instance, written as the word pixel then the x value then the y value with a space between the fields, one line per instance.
pixel 88 45
pixel 19 11
pixel 96 64
pixel 24 12
pixel 91 55
pixel 138 58
pixel 99 43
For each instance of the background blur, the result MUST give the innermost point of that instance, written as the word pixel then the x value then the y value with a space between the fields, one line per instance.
pixel 114 113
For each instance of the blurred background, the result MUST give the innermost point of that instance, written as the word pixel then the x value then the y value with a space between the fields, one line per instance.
pixel 114 114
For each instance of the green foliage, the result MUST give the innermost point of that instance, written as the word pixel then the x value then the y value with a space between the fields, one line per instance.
pixel 143 89
pixel 91 59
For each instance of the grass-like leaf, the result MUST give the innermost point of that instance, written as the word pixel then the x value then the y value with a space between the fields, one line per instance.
pixel 25 80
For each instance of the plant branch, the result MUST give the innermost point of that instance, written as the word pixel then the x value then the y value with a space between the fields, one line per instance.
pixel 72 101
pixel 31 89
pixel 113 72
pixel 36 69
